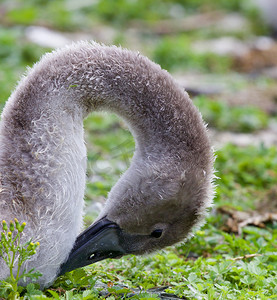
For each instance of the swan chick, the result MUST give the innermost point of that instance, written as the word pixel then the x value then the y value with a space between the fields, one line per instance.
pixel 157 202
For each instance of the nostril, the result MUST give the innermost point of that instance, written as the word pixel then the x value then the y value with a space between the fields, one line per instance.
pixel 157 233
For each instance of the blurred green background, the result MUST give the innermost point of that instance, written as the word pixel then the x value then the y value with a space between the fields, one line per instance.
pixel 223 52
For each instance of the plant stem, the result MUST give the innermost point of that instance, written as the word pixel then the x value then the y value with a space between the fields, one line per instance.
pixel 19 262
pixel 14 248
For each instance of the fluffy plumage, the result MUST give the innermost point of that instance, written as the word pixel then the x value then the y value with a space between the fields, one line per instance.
pixel 43 157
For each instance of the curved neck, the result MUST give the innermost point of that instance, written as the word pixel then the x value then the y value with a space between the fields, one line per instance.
pixel 45 112
pixel 86 78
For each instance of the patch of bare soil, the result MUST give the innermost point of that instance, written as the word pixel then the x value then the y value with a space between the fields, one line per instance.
pixel 265 212
pixel 257 58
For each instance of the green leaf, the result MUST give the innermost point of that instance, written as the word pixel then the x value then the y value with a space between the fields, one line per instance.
pixel 54 294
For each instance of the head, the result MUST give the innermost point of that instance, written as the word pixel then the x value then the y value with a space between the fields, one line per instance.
pixel 158 209
pixel 146 211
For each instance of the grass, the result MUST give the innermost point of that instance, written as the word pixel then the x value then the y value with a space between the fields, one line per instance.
pixel 174 53
pixel 215 264
pixel 237 119
pixel 246 175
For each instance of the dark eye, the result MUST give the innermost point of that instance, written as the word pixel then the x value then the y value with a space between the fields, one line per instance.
pixel 157 233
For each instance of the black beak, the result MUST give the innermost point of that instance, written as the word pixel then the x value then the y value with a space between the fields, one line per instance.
pixel 100 241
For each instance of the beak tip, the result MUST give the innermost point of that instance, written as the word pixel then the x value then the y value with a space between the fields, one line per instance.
pixel 100 241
